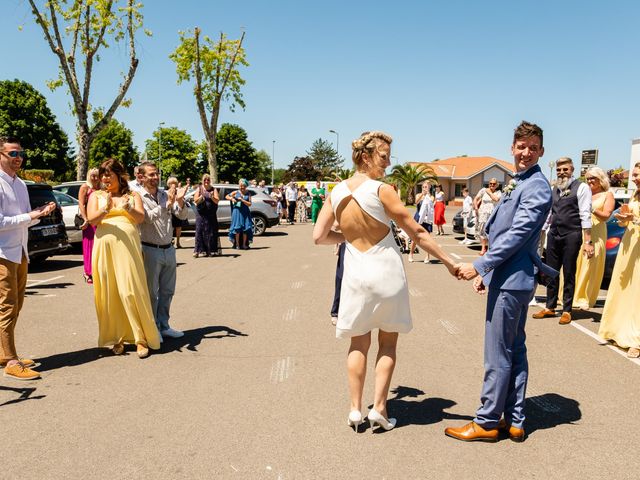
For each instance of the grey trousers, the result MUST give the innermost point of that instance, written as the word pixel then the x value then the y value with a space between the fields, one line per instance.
pixel 505 358
pixel 160 267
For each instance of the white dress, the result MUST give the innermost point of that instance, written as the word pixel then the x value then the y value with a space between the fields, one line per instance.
pixel 374 290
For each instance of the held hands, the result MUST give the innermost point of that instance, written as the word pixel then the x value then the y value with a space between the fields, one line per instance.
pixel 466 271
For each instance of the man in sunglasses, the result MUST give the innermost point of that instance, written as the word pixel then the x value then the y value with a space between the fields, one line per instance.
pixel 16 217
pixel 570 225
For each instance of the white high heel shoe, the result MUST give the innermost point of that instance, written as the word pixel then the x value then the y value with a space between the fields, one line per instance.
pixel 376 418
pixel 355 419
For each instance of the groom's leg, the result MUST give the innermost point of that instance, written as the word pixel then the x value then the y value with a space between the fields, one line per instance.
pixel 514 405
pixel 501 328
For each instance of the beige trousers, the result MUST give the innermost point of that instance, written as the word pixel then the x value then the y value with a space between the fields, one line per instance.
pixel 13 281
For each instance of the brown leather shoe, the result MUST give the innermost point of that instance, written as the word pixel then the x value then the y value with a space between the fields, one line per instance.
pixel 515 434
pixel 472 432
pixel 565 319
pixel 545 312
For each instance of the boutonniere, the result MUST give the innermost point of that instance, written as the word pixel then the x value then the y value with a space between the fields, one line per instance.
pixel 510 187
pixel 565 193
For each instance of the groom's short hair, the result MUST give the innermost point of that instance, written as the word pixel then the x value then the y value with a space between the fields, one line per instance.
pixel 527 130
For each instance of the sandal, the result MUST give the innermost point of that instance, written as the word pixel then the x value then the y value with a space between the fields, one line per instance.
pixel 633 352
pixel 118 349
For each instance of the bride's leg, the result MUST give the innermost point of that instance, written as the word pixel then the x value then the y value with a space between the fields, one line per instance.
pixel 385 363
pixel 357 368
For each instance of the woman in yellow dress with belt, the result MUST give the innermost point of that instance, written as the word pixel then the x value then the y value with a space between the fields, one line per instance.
pixel 121 295
pixel 590 270
pixel 621 316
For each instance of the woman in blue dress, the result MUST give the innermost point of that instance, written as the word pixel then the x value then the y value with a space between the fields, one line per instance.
pixel 241 230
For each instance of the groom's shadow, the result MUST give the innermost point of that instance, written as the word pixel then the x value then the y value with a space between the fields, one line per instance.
pixel 193 338
pixel 549 411
pixel 419 412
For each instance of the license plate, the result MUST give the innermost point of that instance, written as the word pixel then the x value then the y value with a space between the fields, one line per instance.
pixel 49 231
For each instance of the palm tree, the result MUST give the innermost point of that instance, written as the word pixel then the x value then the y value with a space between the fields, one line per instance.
pixel 340 174
pixel 408 177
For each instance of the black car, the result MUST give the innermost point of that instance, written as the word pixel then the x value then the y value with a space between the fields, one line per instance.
pixel 48 237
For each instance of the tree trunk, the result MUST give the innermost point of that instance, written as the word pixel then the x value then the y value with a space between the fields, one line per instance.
pixel 84 143
pixel 211 155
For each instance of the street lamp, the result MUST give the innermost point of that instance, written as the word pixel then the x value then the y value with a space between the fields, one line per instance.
pixel 273 158
pixel 160 150
pixel 337 142
pixel 552 164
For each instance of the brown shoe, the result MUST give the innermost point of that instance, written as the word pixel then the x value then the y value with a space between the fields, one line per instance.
pixel 472 432
pixel 545 312
pixel 565 319
pixel 27 362
pixel 17 371
pixel 515 434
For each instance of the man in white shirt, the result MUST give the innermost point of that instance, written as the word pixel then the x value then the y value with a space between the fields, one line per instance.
pixel 467 208
pixel 16 217
pixel 137 185
pixel 569 234
pixel 291 195
pixel 156 235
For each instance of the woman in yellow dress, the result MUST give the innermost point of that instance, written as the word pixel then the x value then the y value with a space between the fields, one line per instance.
pixel 590 270
pixel 121 295
pixel 621 316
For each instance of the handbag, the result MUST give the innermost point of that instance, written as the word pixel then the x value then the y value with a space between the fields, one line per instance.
pixel 78 221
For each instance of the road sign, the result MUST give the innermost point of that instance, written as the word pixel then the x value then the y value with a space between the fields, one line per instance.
pixel 589 157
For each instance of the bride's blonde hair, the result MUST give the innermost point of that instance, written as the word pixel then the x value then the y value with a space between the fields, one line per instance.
pixel 367 142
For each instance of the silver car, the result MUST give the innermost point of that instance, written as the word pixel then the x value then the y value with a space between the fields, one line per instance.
pixel 69 209
pixel 263 208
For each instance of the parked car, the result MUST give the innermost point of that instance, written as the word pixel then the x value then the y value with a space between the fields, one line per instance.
pixel 48 237
pixel 263 208
pixel 70 188
pixel 69 209
pixel 458 226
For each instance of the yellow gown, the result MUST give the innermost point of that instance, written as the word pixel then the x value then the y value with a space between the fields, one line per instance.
pixel 589 271
pixel 621 316
pixel 120 287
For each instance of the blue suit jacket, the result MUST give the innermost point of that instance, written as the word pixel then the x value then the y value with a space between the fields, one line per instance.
pixel 512 260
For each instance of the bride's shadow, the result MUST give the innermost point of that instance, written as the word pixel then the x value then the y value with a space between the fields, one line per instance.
pixel 419 412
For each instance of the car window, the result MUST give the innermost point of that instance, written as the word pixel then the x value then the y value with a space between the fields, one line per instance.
pixel 64 199
pixel 40 196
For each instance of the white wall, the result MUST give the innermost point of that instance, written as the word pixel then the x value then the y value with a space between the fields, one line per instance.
pixel 495 172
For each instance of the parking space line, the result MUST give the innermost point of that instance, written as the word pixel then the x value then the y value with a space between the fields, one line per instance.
pixel 297 285
pixel 603 342
pixel 414 292
pixel 455 256
pixel 449 327
pixel 290 314
pixel 33 283
pixel 281 370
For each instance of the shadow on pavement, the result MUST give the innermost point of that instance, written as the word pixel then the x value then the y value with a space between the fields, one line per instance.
pixel 190 340
pixel 193 338
pixel 272 233
pixel 44 286
pixel 25 394
pixel 549 411
pixel 419 412
pixel 53 264
pixel 584 315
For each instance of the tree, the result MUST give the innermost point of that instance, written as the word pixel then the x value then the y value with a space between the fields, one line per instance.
pixel 409 176
pixel 114 141
pixel 236 156
pixel 264 164
pixel 214 66
pixel 24 113
pixel 324 155
pixel 79 29
pixel 180 153
pixel 342 174
pixel 302 168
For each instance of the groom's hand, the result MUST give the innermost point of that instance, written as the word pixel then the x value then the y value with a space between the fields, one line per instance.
pixel 466 271
pixel 478 286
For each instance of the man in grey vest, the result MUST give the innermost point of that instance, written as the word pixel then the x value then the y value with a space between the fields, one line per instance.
pixel 569 233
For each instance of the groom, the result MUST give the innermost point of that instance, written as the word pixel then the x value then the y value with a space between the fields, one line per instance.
pixel 508 270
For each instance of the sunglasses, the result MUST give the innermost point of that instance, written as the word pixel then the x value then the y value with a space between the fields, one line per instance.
pixel 492 184
pixel 16 154
pixel 563 169
pixel 588 179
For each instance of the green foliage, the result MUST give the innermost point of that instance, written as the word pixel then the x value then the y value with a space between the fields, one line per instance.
pixel 75 31
pixel 114 141
pixel 408 177
pixel 236 156
pixel 264 162
pixel 40 176
pixel 279 175
pixel 180 154
pixel 341 174
pixel 324 156
pixel 24 113
pixel 302 168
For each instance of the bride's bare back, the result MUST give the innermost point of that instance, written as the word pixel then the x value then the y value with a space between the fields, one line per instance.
pixel 358 227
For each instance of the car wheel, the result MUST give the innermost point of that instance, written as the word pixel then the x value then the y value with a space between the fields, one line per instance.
pixel 259 225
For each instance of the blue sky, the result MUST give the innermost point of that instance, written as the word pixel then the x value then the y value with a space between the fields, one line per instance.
pixel 444 78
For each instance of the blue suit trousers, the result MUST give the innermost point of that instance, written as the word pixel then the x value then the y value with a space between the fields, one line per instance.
pixel 505 358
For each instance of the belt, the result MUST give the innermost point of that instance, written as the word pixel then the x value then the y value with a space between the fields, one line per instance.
pixel 147 244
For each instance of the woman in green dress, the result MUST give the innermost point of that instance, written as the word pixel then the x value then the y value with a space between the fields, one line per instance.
pixel 317 194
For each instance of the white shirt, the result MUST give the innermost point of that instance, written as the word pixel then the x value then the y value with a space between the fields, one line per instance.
pixel 156 227
pixel 14 218
pixel 292 194
pixel 584 204
pixel 426 210
pixel 134 186
pixel 467 205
